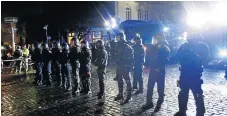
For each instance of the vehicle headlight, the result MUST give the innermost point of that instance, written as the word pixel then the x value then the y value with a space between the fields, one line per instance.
pixel 223 53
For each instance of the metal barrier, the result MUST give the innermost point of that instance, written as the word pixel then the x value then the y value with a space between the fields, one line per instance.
pixel 25 63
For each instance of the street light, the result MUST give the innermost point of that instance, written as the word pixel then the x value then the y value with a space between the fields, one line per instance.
pixel 110 25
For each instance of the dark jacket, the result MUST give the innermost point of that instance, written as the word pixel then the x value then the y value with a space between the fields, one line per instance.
pixel 124 54
pixel 139 54
pixel 65 57
pixel 85 60
pixel 191 56
pixel 102 58
pixel 37 55
pixel 74 56
pixel 46 56
pixel 56 54
pixel 157 57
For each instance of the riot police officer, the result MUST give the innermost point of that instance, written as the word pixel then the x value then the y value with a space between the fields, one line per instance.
pixel 139 59
pixel 56 53
pixel 75 63
pixel 37 58
pixel 191 56
pixel 66 72
pixel 101 63
pixel 157 55
pixel 124 66
pixel 46 56
pixel 85 67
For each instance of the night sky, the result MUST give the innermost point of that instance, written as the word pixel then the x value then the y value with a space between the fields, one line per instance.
pixel 58 15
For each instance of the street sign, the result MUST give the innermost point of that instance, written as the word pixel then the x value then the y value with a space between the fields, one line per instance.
pixel 10 19
pixel 49 37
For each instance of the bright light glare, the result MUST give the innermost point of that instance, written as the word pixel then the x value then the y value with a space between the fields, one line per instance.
pixel 223 53
pixel 219 15
pixel 138 35
pixel 180 38
pixel 2 48
pixel 113 20
pixel 107 23
pixel 166 29
pixel 197 19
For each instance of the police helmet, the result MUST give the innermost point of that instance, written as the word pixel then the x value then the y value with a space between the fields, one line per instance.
pixel 46 46
pixel 57 44
pixel 120 37
pixel 99 44
pixel 75 42
pixel 65 46
pixel 138 40
pixel 85 44
pixel 159 38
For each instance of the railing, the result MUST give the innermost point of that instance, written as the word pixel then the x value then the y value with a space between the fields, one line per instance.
pixel 14 65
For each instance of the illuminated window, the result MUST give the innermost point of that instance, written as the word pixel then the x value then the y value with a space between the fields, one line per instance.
pixel 69 34
pixel 139 15
pixel 97 34
pixel 128 13
pixel 72 34
pixel 146 15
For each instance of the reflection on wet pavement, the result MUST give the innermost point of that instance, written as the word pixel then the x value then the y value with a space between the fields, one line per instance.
pixel 20 97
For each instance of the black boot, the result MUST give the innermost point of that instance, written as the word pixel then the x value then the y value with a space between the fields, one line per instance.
pixel 119 97
pixel 180 114
pixel 148 106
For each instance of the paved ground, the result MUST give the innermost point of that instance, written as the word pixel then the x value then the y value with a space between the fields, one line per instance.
pixel 21 98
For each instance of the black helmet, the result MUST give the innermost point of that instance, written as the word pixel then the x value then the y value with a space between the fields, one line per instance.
pixel 160 38
pixel 120 37
pixel 75 42
pixel 65 46
pixel 57 44
pixel 85 44
pixel 99 44
pixel 138 40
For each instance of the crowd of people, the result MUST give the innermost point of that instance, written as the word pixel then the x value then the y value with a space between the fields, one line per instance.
pixel 72 66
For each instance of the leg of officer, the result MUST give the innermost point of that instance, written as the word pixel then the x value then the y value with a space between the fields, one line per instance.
pixel 140 78
pixel 126 76
pixel 198 96
pixel 135 78
pixel 68 77
pixel 76 78
pixel 161 87
pixel 101 75
pixel 183 96
pixel 119 77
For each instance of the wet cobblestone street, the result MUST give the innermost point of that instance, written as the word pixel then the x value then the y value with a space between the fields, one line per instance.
pixel 21 98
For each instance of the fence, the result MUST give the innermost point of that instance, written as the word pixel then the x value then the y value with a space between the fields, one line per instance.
pixel 14 65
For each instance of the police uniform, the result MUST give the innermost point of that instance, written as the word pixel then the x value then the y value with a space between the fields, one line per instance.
pixel 156 59
pixel 101 63
pixel 139 59
pixel 56 54
pixel 46 56
pixel 124 67
pixel 75 63
pixel 66 72
pixel 85 67
pixel 191 56
pixel 37 58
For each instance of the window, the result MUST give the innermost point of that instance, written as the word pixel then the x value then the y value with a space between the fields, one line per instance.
pixel 128 13
pixel 146 15
pixel 139 15
pixel 97 34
